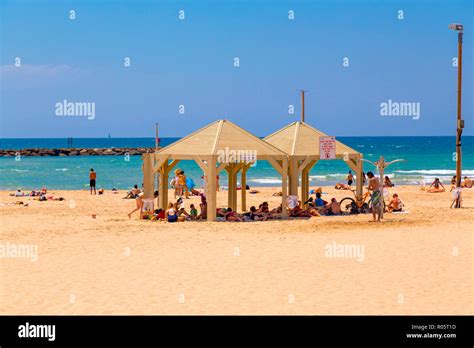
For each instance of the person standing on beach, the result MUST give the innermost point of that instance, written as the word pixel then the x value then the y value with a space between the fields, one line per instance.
pixel 377 198
pixel 92 178
pixel 350 178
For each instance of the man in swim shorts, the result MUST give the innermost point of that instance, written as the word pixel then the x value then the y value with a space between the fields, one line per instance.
pixel 92 177
pixel 377 197
pixel 350 178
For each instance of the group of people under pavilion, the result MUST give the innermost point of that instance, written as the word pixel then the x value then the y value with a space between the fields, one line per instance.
pixel 292 151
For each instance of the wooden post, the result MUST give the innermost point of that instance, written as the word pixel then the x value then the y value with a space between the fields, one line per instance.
pixel 284 186
pixel 304 186
pixel 359 178
pixel 211 188
pixel 294 177
pixel 148 177
pixel 163 189
pixel 243 181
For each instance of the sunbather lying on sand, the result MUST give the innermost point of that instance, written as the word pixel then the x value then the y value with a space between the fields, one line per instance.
pixel 341 186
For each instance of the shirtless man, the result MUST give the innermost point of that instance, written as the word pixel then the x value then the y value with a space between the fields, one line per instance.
pixel 395 204
pixel 350 178
pixel 377 198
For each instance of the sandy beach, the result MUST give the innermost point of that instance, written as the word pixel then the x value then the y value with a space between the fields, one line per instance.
pixel 419 262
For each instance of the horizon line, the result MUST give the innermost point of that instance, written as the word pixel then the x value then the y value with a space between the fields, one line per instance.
pixel 344 136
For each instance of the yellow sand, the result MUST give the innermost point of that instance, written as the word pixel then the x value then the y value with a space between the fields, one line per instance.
pixel 415 263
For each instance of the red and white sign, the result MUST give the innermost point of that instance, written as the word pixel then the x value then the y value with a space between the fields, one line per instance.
pixel 327 148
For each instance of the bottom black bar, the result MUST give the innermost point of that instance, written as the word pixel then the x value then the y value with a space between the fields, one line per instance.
pixel 225 330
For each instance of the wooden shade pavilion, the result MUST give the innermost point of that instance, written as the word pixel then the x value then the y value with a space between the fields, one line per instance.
pixel 301 142
pixel 209 147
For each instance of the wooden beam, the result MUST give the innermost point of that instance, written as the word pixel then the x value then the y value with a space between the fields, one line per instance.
pixel 279 168
pixel 200 163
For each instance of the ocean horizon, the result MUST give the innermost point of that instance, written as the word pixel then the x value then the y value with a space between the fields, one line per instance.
pixel 426 157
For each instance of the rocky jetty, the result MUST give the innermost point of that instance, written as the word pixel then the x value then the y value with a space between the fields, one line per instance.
pixel 113 151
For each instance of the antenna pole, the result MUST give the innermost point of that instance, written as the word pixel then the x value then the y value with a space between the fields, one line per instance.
pixel 302 105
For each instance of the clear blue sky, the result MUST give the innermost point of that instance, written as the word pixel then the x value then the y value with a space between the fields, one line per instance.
pixel 190 62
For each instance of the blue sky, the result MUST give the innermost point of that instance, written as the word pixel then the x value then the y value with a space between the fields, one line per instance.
pixel 190 62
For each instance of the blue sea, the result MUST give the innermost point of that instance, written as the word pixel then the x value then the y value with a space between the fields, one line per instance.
pixel 426 158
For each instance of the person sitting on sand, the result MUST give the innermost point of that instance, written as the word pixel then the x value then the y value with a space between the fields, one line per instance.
pixel 333 208
pixel 183 215
pixel 310 202
pixel 193 213
pixel 134 192
pixel 171 214
pixel 159 215
pixel 319 202
pixel 377 197
pixel 436 186
pixel 139 205
pixel 467 183
pixel 231 215
pixel 387 182
pixel 453 180
pixel 395 205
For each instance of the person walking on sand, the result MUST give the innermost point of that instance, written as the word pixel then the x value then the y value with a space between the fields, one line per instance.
pixel 377 197
pixel 139 205
pixel 92 178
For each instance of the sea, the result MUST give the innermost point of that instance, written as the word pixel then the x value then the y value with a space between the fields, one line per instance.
pixel 425 158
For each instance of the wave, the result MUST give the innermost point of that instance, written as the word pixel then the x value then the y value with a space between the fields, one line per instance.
pixel 435 171
pixel 61 169
pixel 265 180
pixel 20 170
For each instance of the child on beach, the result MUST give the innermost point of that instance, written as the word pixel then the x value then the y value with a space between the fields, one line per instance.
pixel 193 213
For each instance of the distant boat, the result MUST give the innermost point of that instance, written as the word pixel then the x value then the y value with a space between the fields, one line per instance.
pixel 109 135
